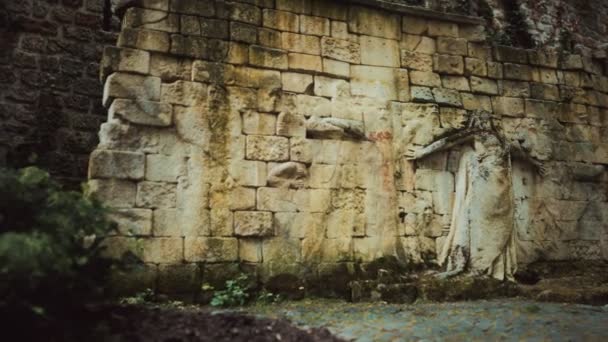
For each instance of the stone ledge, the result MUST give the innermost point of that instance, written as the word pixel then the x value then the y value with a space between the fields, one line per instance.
pixel 418 11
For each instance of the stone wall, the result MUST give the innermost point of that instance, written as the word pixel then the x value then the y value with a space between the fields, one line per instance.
pixel 50 106
pixel 272 134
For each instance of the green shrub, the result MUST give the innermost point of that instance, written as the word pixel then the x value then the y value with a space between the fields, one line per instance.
pixel 49 244
pixel 236 292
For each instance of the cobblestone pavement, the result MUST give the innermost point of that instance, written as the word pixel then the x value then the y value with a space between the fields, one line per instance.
pixel 504 320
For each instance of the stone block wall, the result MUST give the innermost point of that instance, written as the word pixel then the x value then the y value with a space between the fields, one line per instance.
pixel 272 134
pixel 50 93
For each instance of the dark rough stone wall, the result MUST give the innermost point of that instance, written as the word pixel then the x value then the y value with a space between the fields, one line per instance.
pixel 50 94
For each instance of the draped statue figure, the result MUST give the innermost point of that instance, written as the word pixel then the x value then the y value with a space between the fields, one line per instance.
pixel 481 240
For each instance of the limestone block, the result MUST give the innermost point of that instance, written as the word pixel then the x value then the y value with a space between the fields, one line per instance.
pixel 246 13
pixel 509 106
pixel 276 199
pixel 333 128
pixel 268 58
pixel 452 46
pixel 201 47
pixel 193 7
pixel 495 70
pixel 472 33
pixel 156 195
pixel 476 67
pixel 146 113
pixel 220 73
pixel 354 107
pixel 451 118
pixel 447 97
pixel 150 19
pixel 280 252
pixel 442 29
pixel 291 125
pixel 367 21
pixel 414 25
pixel 299 61
pixel 124 59
pixel 448 64
pixel 402 79
pixel 268 99
pixel 296 82
pixel 144 39
pixel 165 223
pixel 301 43
pixel 317 26
pixel 365 249
pixel 379 51
pixel 239 198
pixel 253 224
pixel 299 225
pixel 416 60
pixel 344 224
pixel 250 250
pixel 514 88
pixel 184 93
pixel 419 201
pixel 179 278
pixel 422 94
pixel 289 175
pixel 270 38
pixel 130 86
pixel 163 250
pixel 329 10
pixel 300 7
pixel 340 49
pixel 425 78
pixel 480 51
pixel 484 86
pixel 240 32
pixel 455 82
pixel 548 76
pixel 163 168
pixel 420 44
pixel 132 222
pixel 544 91
pixel 221 222
pixel 301 150
pixel 510 54
pixel 336 68
pixel 542 109
pixel 572 62
pixel 204 249
pixel 431 180
pixel 117 164
pixel 476 102
pixel 326 151
pixel 544 58
pixel 190 24
pixel 259 123
pixel 335 250
pixel 267 148
pixel 170 68
pixel 313 106
pixel 280 20
pixel 212 28
pixel 324 176
pixel 339 29
pixel 248 173
pixel 517 72
pixel 313 200
pixel 331 87
pixel 372 81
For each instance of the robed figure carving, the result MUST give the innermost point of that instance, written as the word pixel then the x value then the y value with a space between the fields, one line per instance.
pixel 481 240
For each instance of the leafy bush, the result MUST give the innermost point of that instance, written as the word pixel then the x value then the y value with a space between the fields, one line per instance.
pixel 235 293
pixel 49 245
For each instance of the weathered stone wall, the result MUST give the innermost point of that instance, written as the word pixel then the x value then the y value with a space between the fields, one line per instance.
pixel 273 134
pixel 50 106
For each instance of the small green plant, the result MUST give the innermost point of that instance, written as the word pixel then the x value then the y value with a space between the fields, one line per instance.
pixel 142 297
pixel 236 292
pixel 267 297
